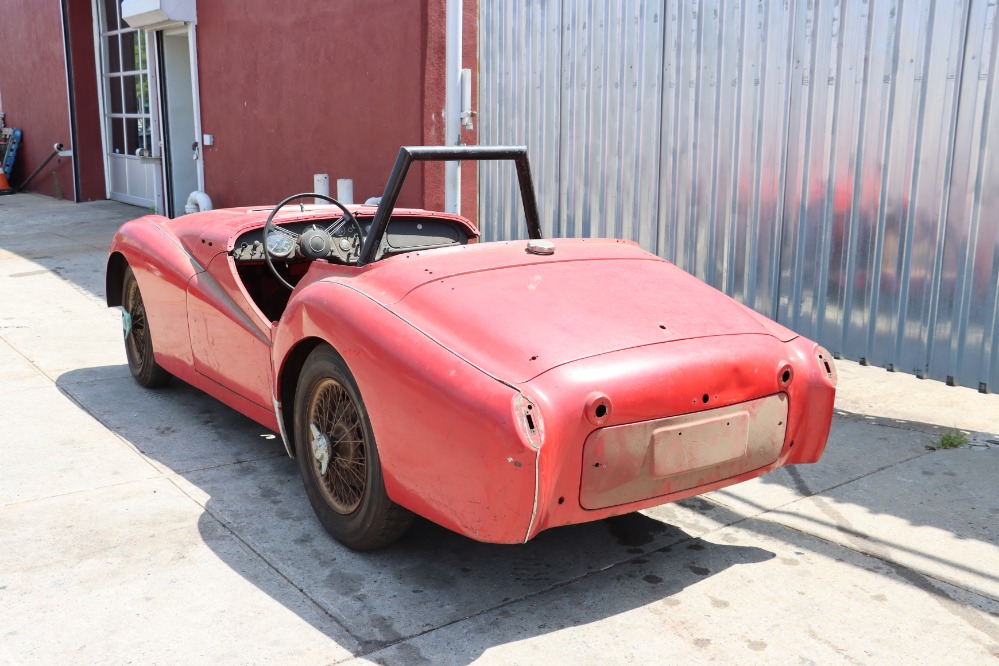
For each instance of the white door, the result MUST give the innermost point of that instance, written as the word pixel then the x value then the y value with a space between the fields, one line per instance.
pixel 131 141
pixel 177 86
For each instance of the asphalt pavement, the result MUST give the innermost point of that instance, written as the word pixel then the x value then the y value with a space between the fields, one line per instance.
pixel 160 526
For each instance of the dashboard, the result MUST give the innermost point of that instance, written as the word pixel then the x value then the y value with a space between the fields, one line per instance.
pixel 403 234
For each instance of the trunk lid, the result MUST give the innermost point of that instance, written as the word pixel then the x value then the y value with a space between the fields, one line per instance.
pixel 517 315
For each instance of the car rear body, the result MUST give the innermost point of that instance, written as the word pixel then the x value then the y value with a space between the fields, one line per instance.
pixel 588 383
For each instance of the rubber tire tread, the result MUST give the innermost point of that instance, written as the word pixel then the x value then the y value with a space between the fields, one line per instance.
pixel 149 373
pixel 378 521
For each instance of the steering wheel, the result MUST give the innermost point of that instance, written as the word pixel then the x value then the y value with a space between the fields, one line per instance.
pixel 313 243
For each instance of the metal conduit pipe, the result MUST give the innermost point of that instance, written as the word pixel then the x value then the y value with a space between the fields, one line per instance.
pixel 56 149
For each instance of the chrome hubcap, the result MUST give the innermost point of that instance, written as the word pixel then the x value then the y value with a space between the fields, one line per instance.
pixel 320 448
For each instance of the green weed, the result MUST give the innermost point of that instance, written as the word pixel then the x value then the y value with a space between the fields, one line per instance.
pixel 952 440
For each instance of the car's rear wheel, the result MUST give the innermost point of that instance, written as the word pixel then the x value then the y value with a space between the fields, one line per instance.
pixel 138 341
pixel 338 459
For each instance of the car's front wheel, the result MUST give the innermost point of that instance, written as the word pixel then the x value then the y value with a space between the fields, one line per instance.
pixel 138 341
pixel 338 459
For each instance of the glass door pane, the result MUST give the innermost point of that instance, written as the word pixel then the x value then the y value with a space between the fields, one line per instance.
pixel 129 116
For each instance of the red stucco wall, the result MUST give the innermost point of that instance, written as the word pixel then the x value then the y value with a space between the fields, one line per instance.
pixel 33 90
pixel 293 89
pixel 287 89
pixel 434 102
pixel 470 60
pixel 89 149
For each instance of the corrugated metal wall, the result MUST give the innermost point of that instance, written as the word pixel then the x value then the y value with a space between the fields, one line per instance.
pixel 831 163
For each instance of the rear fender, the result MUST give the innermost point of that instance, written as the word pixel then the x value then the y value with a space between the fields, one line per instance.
pixel 813 396
pixel 449 447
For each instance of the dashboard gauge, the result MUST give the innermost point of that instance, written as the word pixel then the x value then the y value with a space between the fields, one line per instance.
pixel 280 244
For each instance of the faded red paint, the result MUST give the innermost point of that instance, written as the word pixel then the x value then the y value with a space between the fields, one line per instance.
pixel 33 91
pixel 451 347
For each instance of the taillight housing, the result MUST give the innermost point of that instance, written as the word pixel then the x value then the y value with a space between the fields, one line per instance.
pixel 826 364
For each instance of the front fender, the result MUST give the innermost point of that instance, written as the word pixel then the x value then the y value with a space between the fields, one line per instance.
pixel 163 269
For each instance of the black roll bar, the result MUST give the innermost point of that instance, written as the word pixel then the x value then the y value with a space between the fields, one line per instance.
pixel 410 154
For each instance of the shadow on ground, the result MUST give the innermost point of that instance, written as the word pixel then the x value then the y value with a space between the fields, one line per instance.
pixel 431 578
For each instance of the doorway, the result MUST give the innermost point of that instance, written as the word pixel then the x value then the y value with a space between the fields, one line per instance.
pixel 150 107
pixel 181 149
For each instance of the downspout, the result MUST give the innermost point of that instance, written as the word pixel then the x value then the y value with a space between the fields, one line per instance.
pixel 192 45
pixel 452 104
pixel 198 202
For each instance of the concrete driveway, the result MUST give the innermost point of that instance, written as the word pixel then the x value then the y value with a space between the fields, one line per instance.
pixel 160 526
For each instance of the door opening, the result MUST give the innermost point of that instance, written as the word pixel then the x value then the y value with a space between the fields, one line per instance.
pixel 180 139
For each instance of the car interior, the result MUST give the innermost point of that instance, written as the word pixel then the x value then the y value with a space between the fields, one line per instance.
pixel 333 240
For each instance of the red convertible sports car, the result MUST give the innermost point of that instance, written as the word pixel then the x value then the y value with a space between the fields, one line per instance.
pixel 498 389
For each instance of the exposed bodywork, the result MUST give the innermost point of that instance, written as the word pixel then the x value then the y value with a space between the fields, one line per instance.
pixel 508 391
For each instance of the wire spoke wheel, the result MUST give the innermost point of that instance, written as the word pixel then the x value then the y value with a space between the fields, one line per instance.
pixel 338 456
pixel 138 339
pixel 335 415
pixel 135 336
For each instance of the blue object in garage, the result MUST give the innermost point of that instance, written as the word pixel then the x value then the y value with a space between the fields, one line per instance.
pixel 12 143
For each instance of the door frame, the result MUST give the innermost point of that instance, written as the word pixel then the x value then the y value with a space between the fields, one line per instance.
pixel 153 83
pixel 166 169
pixel 156 117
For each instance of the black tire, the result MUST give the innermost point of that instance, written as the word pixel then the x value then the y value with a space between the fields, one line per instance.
pixel 138 341
pixel 349 499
